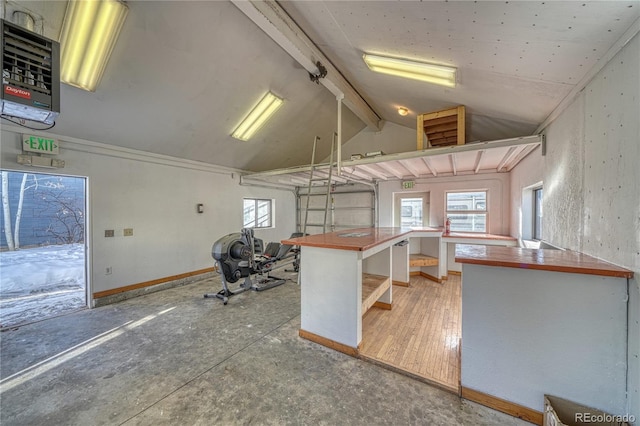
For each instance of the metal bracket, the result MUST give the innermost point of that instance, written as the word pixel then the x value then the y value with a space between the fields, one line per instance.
pixel 322 73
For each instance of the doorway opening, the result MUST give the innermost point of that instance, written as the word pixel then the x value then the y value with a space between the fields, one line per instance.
pixel 411 209
pixel 42 246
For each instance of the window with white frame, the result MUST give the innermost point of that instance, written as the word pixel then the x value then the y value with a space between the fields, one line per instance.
pixel 467 211
pixel 257 213
pixel 537 214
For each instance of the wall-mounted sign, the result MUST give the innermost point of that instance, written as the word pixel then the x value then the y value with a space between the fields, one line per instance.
pixel 408 184
pixel 39 144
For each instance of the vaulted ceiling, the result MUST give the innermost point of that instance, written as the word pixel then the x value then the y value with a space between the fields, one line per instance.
pixel 184 73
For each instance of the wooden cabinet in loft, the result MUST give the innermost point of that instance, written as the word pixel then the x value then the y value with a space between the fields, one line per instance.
pixel 441 128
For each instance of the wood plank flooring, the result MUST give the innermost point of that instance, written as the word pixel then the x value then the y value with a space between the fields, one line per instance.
pixel 421 334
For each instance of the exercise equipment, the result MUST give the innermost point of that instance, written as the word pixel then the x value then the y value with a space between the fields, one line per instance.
pixel 241 255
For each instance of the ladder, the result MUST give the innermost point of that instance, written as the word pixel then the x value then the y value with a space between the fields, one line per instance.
pixel 313 179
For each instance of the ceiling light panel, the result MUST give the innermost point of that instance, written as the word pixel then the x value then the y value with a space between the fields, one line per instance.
pixel 89 32
pixel 259 115
pixel 430 73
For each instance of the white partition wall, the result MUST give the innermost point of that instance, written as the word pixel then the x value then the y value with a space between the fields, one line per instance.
pixel 527 333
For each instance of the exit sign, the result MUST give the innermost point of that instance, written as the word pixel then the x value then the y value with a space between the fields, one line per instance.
pixel 407 184
pixel 39 144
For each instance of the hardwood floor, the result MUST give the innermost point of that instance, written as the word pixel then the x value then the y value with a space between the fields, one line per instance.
pixel 421 334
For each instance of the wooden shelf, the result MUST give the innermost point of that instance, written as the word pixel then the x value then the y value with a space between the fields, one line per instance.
pixel 373 286
pixel 422 260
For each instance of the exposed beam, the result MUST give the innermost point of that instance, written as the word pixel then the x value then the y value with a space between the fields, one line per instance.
pixel 359 174
pixel 407 165
pixel 478 161
pixel 391 170
pixel 374 171
pixel 506 158
pixel 277 24
pixel 427 163
pixel 525 151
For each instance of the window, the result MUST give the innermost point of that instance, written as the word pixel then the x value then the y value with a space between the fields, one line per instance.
pixel 467 211
pixel 411 212
pixel 537 214
pixel 257 213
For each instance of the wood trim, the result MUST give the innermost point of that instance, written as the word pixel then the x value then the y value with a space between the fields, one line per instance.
pixel 420 135
pixel 461 136
pixel 414 376
pixel 331 344
pixel 430 277
pixel 400 283
pixel 382 305
pixel 415 273
pixel 373 287
pixel 422 260
pixel 113 291
pixel 458 273
pixel 502 405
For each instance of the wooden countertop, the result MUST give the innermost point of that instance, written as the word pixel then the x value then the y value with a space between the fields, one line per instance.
pixel 541 259
pixel 359 239
pixel 473 235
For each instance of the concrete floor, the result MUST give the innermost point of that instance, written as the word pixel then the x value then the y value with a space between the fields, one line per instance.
pixel 173 357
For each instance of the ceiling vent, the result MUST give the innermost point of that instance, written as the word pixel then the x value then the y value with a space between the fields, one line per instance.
pixel 30 75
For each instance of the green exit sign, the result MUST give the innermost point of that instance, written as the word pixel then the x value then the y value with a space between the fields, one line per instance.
pixel 408 184
pixel 39 144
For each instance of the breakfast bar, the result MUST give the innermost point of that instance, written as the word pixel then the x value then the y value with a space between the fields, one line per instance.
pixel 342 274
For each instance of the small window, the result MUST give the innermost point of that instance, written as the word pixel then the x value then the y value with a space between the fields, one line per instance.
pixel 537 214
pixel 258 213
pixel 411 212
pixel 467 211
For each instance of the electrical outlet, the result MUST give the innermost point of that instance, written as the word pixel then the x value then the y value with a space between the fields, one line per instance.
pixel 128 232
pixel 109 233
pixel 108 270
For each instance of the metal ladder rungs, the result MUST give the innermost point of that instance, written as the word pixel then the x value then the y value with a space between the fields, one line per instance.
pixel 312 179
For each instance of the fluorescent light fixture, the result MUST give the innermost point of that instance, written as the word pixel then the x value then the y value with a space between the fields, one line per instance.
pixel 431 73
pixel 89 32
pixel 267 106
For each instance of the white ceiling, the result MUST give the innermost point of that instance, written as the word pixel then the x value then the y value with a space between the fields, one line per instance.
pixel 184 73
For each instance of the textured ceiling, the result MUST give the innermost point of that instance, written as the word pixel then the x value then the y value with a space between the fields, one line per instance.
pixel 184 73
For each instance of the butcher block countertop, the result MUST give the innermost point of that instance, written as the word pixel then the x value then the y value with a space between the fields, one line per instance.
pixel 359 239
pixel 540 259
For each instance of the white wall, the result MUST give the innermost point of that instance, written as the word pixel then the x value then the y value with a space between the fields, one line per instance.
pixel 592 182
pixel 392 139
pixel 528 332
pixel 496 183
pixel 528 172
pixel 157 197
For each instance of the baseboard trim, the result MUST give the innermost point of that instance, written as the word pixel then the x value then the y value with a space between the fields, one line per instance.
pixel 430 277
pixel 400 283
pixel 458 273
pixel 383 305
pixel 511 408
pixel 106 293
pixel 331 344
